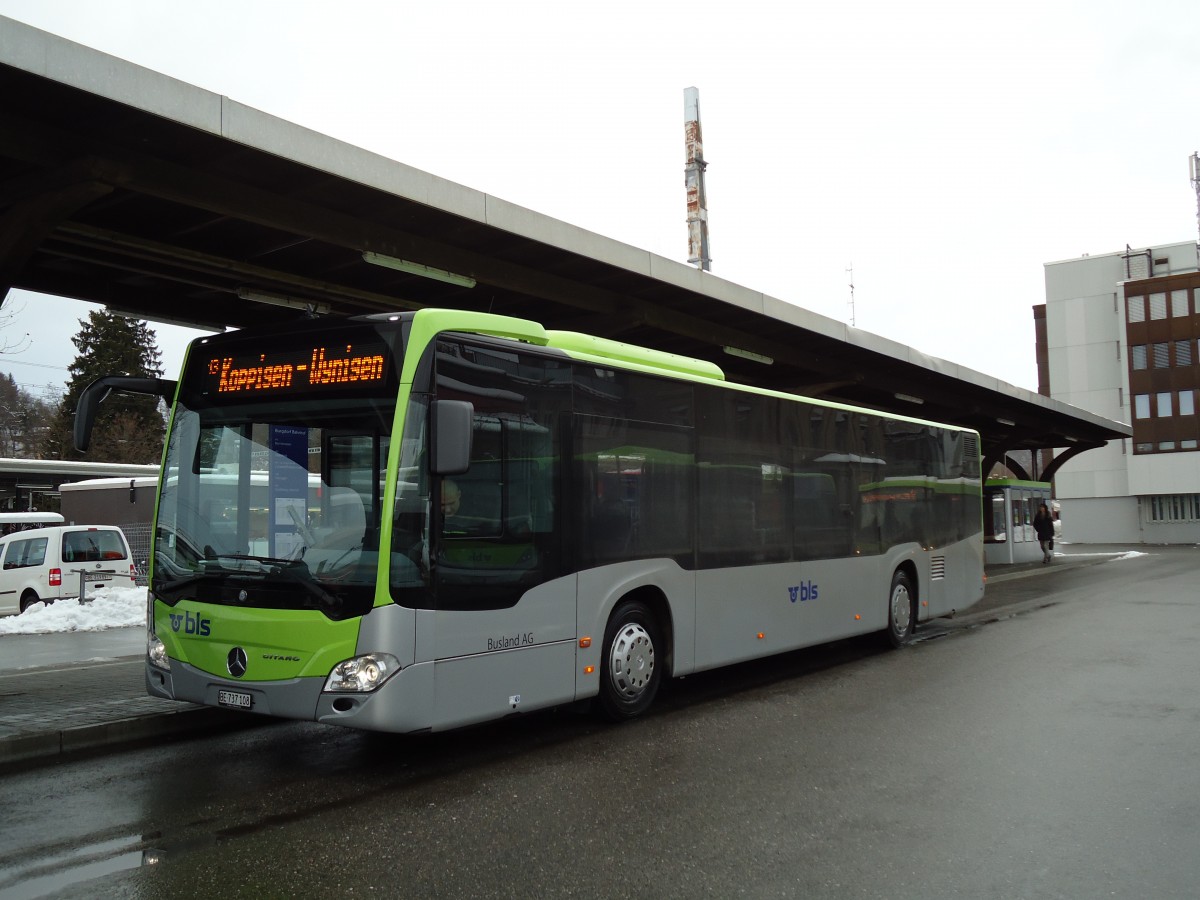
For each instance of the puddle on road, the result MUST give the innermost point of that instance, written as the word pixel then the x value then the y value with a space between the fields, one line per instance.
pixel 47 875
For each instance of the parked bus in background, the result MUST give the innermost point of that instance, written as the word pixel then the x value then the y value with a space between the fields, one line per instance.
pixel 508 518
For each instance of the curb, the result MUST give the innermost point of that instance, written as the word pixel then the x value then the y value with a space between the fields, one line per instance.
pixel 44 747
pixel 1065 564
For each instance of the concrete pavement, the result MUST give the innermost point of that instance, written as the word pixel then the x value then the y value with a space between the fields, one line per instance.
pixel 49 711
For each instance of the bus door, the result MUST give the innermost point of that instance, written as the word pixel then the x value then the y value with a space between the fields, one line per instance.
pixel 503 636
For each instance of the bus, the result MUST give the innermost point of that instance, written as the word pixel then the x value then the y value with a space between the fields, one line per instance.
pixel 468 516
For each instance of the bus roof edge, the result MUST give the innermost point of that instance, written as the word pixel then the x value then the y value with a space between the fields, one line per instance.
pixel 587 345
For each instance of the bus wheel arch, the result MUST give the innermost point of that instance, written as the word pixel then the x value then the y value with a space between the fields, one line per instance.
pixel 29 598
pixel 902 605
pixel 635 658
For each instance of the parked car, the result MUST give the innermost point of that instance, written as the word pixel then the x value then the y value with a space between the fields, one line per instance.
pixel 45 564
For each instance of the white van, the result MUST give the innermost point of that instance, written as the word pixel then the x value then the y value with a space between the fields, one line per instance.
pixel 47 563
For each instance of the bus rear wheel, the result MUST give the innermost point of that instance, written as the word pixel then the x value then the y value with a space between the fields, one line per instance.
pixel 902 606
pixel 28 599
pixel 629 669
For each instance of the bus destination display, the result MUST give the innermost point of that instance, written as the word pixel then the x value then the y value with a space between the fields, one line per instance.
pixel 311 370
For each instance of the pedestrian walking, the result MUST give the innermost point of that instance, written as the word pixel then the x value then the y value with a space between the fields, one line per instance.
pixel 1043 526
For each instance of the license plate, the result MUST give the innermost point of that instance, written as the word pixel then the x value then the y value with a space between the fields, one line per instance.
pixel 236 699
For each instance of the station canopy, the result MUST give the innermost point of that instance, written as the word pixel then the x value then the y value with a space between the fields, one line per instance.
pixel 124 187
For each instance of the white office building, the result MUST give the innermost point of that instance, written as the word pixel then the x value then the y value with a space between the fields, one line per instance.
pixel 1121 339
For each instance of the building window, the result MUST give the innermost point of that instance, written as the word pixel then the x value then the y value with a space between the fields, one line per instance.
pixel 1187 403
pixel 1187 444
pixel 1137 308
pixel 1137 353
pixel 1183 353
pixel 1144 448
pixel 1166 445
pixel 1158 306
pixel 1141 406
pixel 1179 304
pixel 1163 402
pixel 1174 508
pixel 1162 355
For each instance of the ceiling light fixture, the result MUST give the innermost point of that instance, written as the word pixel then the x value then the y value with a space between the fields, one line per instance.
pixel 908 398
pixel 273 299
pixel 163 320
pixel 412 268
pixel 746 354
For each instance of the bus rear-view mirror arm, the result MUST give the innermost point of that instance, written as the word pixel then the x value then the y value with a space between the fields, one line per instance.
pixel 97 392
pixel 452 435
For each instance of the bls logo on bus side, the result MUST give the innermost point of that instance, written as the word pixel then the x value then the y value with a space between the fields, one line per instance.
pixel 197 624
pixel 802 592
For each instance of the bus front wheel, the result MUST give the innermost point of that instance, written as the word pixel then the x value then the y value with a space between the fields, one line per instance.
pixel 902 604
pixel 629 670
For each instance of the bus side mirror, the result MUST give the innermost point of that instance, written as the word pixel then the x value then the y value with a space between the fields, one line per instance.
pixel 97 392
pixel 451 436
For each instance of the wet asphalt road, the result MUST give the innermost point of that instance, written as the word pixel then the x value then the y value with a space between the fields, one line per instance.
pixel 1046 748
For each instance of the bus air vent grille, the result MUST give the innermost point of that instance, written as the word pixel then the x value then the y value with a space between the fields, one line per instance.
pixel 937 567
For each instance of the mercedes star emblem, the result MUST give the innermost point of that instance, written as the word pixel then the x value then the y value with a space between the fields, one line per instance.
pixel 236 663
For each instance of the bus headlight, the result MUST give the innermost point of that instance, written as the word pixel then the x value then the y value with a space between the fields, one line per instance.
pixel 362 674
pixel 156 652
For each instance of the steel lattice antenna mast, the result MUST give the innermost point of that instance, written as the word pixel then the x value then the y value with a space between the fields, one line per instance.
pixel 697 202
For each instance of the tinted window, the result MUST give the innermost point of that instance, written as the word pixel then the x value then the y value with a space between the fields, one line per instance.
pixel 746 479
pixel 496 531
pixel 22 554
pixel 92 546
pixel 633 490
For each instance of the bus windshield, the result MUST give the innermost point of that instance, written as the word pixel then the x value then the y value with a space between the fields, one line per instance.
pixel 276 504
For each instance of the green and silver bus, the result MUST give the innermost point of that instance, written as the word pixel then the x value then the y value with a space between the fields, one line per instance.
pixel 417 521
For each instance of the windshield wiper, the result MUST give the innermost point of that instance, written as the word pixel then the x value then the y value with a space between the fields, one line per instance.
pixel 297 571
pixel 267 565
pixel 234 566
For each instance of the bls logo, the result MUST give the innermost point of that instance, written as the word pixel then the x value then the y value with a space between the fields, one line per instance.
pixel 802 592
pixel 197 624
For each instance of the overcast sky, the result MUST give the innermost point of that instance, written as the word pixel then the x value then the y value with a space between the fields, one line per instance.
pixel 943 150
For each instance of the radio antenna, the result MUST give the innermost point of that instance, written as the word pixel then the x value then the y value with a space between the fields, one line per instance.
pixel 850 272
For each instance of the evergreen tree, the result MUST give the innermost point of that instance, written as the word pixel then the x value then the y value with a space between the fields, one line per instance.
pixel 128 428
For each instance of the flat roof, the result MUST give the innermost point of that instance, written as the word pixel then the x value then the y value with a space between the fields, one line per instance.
pixel 124 187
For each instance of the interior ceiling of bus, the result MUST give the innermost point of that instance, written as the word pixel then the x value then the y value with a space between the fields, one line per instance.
pixel 117 188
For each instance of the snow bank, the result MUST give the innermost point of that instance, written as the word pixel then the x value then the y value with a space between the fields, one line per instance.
pixel 110 608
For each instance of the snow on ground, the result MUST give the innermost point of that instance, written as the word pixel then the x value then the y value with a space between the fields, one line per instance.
pixel 1128 554
pixel 110 608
